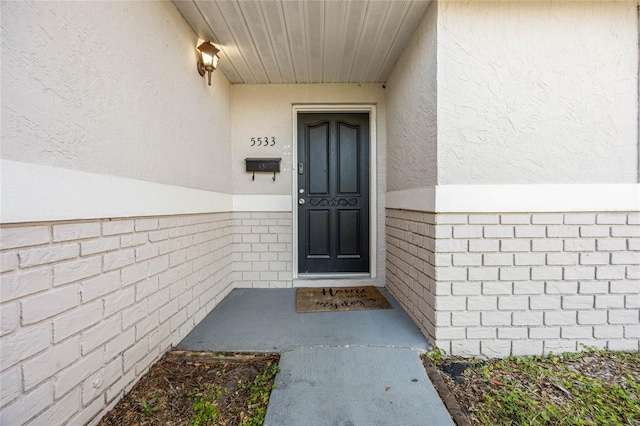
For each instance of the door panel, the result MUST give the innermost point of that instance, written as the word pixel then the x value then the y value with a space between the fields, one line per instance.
pixel 333 184
pixel 348 233
pixel 318 233
pixel 347 160
pixel 319 151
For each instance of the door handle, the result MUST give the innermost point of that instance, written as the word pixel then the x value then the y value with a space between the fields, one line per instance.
pixel 301 201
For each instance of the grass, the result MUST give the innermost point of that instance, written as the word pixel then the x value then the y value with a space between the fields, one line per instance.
pixel 595 387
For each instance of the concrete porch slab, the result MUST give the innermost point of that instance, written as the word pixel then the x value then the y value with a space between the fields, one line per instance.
pixel 265 320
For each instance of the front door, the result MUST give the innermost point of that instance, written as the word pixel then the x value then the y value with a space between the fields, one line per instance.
pixel 333 193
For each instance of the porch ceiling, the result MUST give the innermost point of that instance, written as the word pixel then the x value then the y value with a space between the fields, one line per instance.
pixel 313 41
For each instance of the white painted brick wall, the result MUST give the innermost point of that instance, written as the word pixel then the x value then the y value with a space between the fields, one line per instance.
pixel 418 296
pixel 521 283
pixel 263 241
pixel 87 307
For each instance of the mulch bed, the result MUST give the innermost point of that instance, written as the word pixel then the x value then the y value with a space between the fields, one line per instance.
pixel 463 386
pixel 442 381
pixel 166 394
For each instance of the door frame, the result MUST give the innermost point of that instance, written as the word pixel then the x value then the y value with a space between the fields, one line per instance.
pixel 373 185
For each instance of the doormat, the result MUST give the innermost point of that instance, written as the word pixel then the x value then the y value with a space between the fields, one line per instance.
pixel 331 299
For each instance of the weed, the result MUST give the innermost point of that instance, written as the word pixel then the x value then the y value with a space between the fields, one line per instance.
pixel 434 354
pixel 205 411
pixel 260 391
pixel 149 406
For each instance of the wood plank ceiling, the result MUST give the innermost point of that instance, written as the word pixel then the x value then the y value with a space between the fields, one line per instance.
pixel 312 41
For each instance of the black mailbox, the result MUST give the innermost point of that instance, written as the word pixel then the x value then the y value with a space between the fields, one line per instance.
pixel 263 165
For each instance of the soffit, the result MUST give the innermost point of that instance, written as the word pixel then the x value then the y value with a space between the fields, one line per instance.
pixel 312 41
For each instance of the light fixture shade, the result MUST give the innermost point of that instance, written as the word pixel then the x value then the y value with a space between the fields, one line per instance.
pixel 209 54
pixel 208 59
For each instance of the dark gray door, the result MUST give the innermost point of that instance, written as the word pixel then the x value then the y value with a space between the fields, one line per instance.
pixel 333 193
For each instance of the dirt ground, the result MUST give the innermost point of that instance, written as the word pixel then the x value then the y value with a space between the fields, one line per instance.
pixel 199 388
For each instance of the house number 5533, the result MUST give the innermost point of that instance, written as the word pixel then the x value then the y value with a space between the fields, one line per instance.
pixel 265 141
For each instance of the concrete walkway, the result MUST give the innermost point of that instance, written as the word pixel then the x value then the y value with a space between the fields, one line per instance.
pixel 336 368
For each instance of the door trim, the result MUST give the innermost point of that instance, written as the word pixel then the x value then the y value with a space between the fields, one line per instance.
pixel 373 184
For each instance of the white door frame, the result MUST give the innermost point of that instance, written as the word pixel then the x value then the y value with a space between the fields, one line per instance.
pixel 373 185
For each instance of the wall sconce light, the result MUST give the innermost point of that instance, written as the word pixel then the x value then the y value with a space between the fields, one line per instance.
pixel 207 59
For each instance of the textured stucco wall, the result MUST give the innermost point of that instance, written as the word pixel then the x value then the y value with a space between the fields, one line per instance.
pixel 112 88
pixel 532 92
pixel 412 111
pixel 266 111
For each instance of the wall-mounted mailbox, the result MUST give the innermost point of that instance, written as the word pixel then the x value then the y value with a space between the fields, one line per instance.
pixel 263 165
